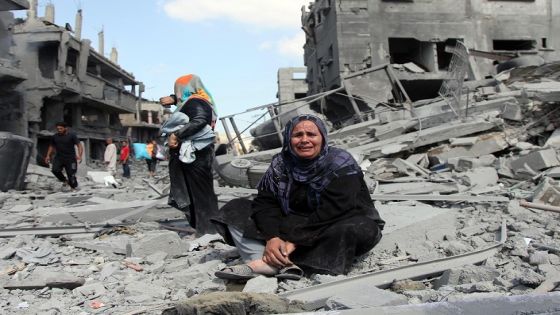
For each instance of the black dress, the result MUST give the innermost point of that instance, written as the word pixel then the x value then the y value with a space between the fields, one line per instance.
pixel 328 236
pixel 192 185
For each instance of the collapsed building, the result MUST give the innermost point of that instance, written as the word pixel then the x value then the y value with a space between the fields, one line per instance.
pixel 417 38
pixel 145 123
pixel 67 80
pixel 452 176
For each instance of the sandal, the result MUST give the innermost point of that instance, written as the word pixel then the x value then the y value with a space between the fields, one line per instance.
pixel 292 272
pixel 237 272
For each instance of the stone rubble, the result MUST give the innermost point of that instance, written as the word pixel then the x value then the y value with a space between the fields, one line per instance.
pixel 137 265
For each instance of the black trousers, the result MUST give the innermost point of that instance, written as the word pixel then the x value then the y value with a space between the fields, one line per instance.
pixel 70 166
pixel 192 189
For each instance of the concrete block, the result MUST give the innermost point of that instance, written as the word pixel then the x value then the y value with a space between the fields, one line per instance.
pixel 536 161
pixel 512 111
pixel 462 164
pixel 90 289
pixel 364 297
pixel 553 140
pixel 419 159
pixel 486 144
pixel 479 177
pixel 467 141
pixel 547 192
pixel 156 257
pixel 142 288
pixel 164 241
pixel 262 284
pixel 466 274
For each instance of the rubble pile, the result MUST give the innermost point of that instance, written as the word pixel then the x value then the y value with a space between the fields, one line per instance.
pixel 446 184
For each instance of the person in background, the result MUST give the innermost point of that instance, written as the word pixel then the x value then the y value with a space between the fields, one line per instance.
pixel 313 211
pixel 124 158
pixel 191 152
pixel 152 161
pixel 63 143
pixel 110 157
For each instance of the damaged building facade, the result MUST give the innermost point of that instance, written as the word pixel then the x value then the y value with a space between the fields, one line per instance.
pixel 144 125
pixel 11 72
pixel 67 80
pixel 416 37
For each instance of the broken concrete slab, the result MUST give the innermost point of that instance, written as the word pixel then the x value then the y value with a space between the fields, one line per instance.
pixel 462 164
pixel 417 188
pixel 485 144
pixel 535 161
pixel 466 274
pixel 428 136
pixel 479 177
pixel 364 296
pixel 164 241
pixel 408 227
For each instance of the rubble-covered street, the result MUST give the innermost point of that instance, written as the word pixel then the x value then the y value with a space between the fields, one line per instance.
pixel 122 250
pixel 451 111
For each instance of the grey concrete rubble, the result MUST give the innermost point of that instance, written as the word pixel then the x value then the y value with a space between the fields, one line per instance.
pixel 451 175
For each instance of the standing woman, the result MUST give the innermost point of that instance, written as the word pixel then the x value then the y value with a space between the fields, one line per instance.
pixel 192 182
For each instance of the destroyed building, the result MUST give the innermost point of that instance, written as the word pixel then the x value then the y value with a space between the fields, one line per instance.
pixel 11 72
pixel 416 37
pixel 468 183
pixel 70 81
pixel 145 123
pixel 292 86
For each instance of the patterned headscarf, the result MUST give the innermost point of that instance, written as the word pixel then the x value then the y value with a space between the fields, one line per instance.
pixel 286 167
pixel 190 86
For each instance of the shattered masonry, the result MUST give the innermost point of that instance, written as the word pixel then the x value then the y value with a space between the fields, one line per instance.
pixel 471 195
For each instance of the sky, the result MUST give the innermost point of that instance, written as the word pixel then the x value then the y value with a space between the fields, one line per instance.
pixel 235 46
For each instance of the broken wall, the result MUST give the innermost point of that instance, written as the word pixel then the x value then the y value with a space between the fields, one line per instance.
pixel 348 36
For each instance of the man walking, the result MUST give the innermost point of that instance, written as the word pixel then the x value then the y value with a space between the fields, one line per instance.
pixel 110 157
pixel 63 143
pixel 125 155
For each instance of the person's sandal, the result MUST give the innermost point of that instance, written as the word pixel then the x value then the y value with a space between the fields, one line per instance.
pixel 292 272
pixel 237 272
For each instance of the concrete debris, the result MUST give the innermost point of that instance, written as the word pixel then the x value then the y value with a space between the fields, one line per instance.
pixel 445 171
pixel 261 284
pixel 364 297
pixel 535 161
pixel 547 192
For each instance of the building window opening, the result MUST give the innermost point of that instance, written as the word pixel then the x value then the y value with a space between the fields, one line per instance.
pixel 544 42
pixel 298 96
pixel 422 89
pixel 405 50
pixel 443 57
pixel 48 56
pixel 514 45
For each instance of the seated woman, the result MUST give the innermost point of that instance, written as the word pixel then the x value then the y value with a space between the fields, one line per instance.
pixel 313 210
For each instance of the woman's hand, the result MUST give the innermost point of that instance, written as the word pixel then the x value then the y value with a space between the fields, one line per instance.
pixel 172 141
pixel 166 101
pixel 277 251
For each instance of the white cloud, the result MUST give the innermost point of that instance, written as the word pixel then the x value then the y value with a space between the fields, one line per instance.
pixel 261 13
pixel 288 46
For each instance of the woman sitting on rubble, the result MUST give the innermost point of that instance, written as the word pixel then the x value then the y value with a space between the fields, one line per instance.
pixel 190 132
pixel 313 210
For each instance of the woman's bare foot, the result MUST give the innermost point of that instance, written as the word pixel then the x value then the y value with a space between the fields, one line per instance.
pixel 263 268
